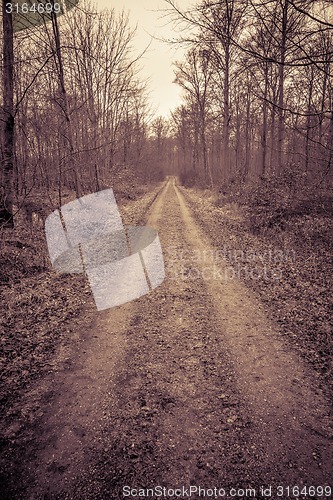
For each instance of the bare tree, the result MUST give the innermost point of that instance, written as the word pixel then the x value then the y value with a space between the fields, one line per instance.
pixel 194 77
pixel 6 193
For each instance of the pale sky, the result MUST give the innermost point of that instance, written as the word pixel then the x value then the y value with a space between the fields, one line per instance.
pixel 157 62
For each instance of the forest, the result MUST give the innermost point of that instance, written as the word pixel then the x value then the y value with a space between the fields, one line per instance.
pixel 257 100
pixel 257 91
pixel 238 175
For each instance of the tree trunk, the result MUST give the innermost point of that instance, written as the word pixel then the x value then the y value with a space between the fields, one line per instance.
pixel 272 141
pixel 308 123
pixel 281 82
pixel 71 162
pixel 6 194
pixel 226 114
pixel 247 137
pixel 264 127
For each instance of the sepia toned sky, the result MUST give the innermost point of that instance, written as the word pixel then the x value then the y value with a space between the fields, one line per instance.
pixel 157 61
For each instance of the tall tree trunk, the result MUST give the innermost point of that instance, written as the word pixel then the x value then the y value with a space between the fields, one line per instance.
pixel 65 108
pixel 308 123
pixel 329 146
pixel 207 171
pixel 226 113
pixel 272 160
pixel 238 137
pixel 284 27
pixel 247 137
pixel 264 126
pixel 6 194
pixel 195 153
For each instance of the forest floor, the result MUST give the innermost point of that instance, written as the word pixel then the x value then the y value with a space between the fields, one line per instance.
pixel 198 383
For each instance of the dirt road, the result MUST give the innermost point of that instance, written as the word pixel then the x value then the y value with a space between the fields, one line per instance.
pixel 189 385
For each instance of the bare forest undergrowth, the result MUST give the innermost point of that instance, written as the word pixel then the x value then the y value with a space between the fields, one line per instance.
pixel 282 249
pixel 41 310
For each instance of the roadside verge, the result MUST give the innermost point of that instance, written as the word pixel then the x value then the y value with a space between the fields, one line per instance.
pixel 293 280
